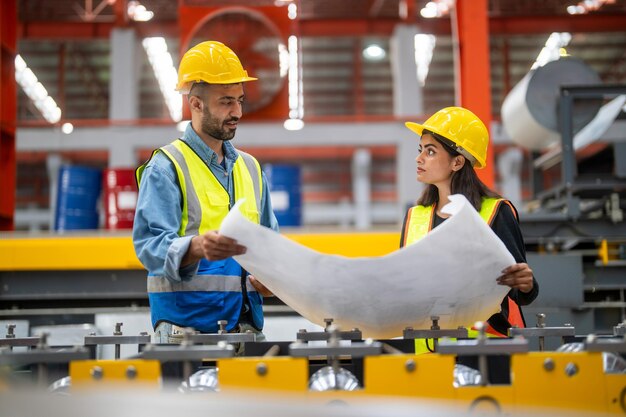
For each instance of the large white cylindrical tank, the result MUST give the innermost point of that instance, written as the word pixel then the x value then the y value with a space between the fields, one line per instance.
pixel 530 112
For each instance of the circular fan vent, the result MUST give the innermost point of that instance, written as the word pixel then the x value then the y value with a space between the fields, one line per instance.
pixel 257 43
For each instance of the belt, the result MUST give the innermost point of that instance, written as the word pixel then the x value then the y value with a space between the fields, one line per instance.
pixel 178 331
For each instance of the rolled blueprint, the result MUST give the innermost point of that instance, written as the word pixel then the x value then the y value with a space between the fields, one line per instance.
pixel 450 273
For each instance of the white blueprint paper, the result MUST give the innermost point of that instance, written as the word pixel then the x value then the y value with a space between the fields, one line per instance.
pixel 450 273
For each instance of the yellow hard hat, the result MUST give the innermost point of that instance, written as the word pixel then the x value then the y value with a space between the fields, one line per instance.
pixel 463 128
pixel 211 62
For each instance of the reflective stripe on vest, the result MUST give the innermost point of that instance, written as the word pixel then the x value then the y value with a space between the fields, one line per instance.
pixel 229 283
pixel 426 345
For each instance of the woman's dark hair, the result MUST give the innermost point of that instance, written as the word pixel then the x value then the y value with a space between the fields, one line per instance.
pixel 464 181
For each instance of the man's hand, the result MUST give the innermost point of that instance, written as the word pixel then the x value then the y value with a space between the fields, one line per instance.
pixel 518 276
pixel 215 246
pixel 261 289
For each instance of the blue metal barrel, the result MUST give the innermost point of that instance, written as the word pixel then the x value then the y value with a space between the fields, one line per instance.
pixel 285 182
pixel 77 198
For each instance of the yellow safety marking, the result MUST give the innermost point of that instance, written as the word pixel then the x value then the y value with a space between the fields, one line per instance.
pixel 116 252
pixel 68 253
pixel 616 393
pixel 573 381
pixel 352 245
pixel 115 374
pixel 603 252
pixel 273 373
pixel 424 376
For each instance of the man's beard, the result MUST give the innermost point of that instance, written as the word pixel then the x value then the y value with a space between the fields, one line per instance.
pixel 215 127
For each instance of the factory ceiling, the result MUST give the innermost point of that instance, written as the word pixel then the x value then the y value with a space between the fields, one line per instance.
pixel 67 45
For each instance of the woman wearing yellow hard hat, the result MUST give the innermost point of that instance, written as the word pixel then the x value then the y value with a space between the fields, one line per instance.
pixel 453 144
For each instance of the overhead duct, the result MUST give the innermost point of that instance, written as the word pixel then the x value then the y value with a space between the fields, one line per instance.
pixel 530 113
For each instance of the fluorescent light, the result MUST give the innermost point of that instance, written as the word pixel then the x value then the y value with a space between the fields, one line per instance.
pixel 35 91
pixel 429 11
pixel 292 11
pixel 424 46
pixel 436 8
pixel 138 12
pixel 165 73
pixel 552 49
pixel 283 60
pixel 587 6
pixel 296 106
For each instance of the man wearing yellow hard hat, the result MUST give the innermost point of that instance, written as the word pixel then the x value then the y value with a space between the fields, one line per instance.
pixel 186 189
pixel 453 144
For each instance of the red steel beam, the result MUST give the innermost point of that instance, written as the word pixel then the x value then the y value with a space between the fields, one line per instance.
pixel 527 25
pixel 8 113
pixel 441 26
pixel 90 30
pixel 472 67
pixel 342 27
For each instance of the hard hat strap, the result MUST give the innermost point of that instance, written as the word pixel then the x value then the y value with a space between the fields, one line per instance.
pixel 450 144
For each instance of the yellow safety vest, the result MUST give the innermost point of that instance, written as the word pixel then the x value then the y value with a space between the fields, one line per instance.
pixel 216 291
pixel 203 194
pixel 419 222
pixel 420 218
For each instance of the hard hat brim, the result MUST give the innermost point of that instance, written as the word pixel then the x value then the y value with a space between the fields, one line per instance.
pixel 415 127
pixel 184 86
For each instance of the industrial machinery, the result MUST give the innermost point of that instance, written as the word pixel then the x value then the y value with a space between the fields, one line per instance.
pixel 574 226
pixel 586 376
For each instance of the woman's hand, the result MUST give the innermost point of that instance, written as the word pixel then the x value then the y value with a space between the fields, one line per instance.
pixel 262 289
pixel 518 276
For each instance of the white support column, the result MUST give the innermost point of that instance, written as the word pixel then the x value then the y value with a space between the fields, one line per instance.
pixel 407 91
pixel 124 88
pixel 122 155
pixel 53 164
pixel 408 103
pixel 362 188
pixel 406 173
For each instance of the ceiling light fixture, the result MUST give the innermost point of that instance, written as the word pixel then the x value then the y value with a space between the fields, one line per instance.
pixel 436 8
pixel 292 11
pixel 27 79
pixel 374 52
pixel 587 6
pixel 553 49
pixel 165 73
pixel 138 12
pixel 296 106
pixel 293 124
pixel 424 46
pixel 67 128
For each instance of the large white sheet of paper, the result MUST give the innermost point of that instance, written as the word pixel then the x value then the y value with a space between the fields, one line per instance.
pixel 450 273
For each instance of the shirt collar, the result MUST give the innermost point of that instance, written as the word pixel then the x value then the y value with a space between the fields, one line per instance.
pixel 204 151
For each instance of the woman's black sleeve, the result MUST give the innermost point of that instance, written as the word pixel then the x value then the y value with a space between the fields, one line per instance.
pixel 506 226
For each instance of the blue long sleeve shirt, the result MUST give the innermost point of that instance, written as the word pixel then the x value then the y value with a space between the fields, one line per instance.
pixel 159 209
